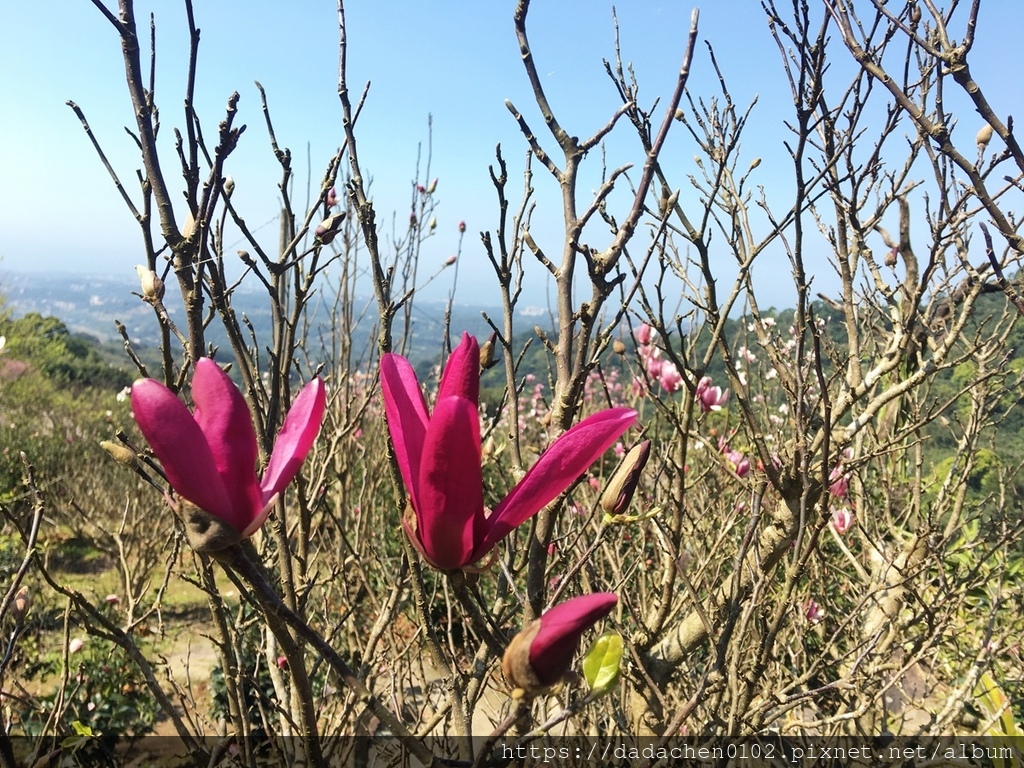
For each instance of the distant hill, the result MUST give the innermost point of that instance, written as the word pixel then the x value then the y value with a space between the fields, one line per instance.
pixel 89 305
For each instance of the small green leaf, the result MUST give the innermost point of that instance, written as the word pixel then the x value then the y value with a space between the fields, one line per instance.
pixel 80 729
pixel 602 663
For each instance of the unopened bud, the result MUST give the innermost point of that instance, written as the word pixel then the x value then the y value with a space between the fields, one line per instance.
pixel 327 230
pixel 432 187
pixel 229 186
pixel 413 221
pixel 618 347
pixel 754 164
pixel 22 601
pixel 332 197
pixel 120 453
pixel 984 136
pixel 152 286
pixel 890 257
pixel 487 360
pixel 620 489
pixel 432 223
pixel 449 261
pixel 679 115
pixel 190 227
pixel 541 655
pixel 462 227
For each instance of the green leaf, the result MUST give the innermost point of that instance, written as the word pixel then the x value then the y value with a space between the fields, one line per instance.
pixel 602 663
pixel 81 729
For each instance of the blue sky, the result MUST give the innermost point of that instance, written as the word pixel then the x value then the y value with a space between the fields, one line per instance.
pixel 458 61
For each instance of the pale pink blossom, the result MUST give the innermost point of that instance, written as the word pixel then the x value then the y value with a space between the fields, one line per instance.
pixel 711 398
pixel 670 378
pixel 813 612
pixel 842 520
pixel 642 334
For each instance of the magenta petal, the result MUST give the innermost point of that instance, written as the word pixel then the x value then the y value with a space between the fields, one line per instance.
pixel 299 431
pixel 561 627
pixel 567 458
pixel 449 505
pixel 461 377
pixel 407 416
pixel 222 415
pixel 180 446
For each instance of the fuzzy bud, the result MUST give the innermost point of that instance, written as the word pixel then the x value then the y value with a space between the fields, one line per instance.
pixel 327 230
pixel 620 489
pixel 449 261
pixel 618 347
pixel 679 115
pixel 432 187
pixel 152 286
pixel 229 186
pixel 487 360
pixel 189 229
pixel 432 223
pixel 984 136
pixel 120 454
pixel 22 601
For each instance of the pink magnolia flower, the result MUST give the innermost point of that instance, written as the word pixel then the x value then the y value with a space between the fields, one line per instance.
pixel 839 482
pixel 76 645
pixel 813 612
pixel 740 463
pixel 670 379
pixel 642 334
pixel 540 656
pixel 209 456
pixel 842 520
pixel 711 398
pixel 438 455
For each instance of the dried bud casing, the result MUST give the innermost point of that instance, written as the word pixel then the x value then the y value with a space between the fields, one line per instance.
pixel 618 347
pixel 516 667
pixel 618 494
pixel 152 286
pixel 205 533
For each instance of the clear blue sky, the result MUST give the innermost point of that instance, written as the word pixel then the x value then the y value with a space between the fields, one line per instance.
pixel 458 61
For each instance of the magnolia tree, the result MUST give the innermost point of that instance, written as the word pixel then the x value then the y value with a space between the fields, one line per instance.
pixel 801 522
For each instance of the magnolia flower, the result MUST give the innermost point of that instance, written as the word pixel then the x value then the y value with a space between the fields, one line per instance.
pixel 710 398
pixel 670 378
pixel 842 520
pixel 642 334
pixel 740 463
pixel 76 645
pixel 813 612
pixel 438 455
pixel 839 482
pixel 209 457
pixel 540 656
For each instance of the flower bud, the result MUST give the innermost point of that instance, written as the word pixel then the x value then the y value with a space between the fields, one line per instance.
pixel 432 223
pixel 618 347
pixel 332 197
pixel 539 657
pixel 984 136
pixel 22 601
pixel 462 227
pixel 449 261
pixel 432 187
pixel 121 454
pixel 152 286
pixel 327 230
pixel 487 360
pixel 229 186
pixel 189 229
pixel 620 489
